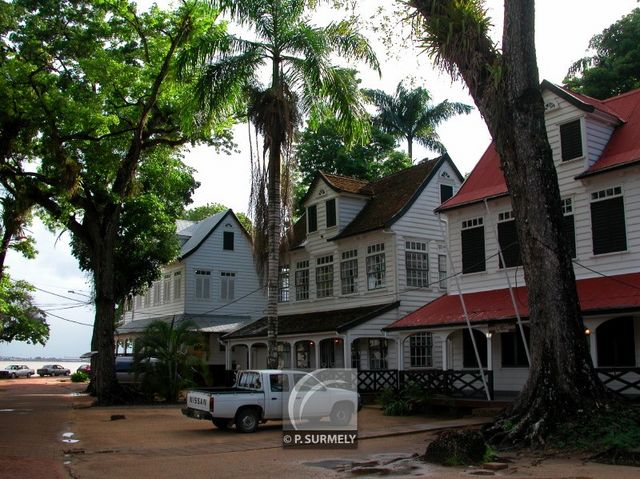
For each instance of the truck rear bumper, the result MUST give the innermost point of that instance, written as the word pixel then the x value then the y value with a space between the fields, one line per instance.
pixel 196 414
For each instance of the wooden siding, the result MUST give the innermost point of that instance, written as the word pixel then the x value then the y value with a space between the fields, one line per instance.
pixel 163 308
pixel 210 256
pixel 595 134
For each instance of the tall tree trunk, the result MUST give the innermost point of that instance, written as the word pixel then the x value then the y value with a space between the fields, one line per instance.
pixel 410 147
pixel 105 385
pixel 273 258
pixel 562 382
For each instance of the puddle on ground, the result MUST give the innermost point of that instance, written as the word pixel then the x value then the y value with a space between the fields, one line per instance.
pixel 68 438
pixel 387 465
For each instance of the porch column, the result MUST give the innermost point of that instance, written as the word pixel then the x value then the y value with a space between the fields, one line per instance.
pixel 445 352
pixel 592 346
pixel 400 351
pixel 489 351
pixel 227 356
pixel 249 356
pixel 346 350
pixel 316 350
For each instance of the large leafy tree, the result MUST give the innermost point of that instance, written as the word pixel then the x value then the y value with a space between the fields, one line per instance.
pixel 562 385
pixel 20 319
pixel 614 66
pixel 95 120
pixel 296 57
pixel 409 114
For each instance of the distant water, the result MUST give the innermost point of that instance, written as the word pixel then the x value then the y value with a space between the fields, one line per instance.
pixel 71 365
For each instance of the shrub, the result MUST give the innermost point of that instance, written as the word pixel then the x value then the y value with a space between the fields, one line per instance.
pixel 79 377
pixel 411 399
pixel 457 448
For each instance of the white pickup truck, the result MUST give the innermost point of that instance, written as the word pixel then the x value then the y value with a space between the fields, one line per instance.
pixel 259 396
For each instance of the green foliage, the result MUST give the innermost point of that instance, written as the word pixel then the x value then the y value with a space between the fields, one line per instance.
pixel 198 213
pixel 614 66
pixel 457 448
pixel 79 377
pixel 20 319
pixel 171 344
pixel 408 114
pixel 616 429
pixel 411 399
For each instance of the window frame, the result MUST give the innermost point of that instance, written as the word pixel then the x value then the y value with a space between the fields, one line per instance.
pixel 302 287
pixel 349 264
pixel 202 276
pixel 324 277
pixel 468 228
pixel 421 350
pixel 227 286
pixel 284 284
pixel 602 239
pixel 416 256
pixel 376 267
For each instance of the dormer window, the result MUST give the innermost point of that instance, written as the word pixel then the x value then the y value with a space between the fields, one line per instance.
pixel 571 140
pixel 330 207
pixel 312 218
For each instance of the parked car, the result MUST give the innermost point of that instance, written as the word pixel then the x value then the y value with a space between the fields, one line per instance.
pixel 84 368
pixel 125 373
pixel 17 371
pixel 53 370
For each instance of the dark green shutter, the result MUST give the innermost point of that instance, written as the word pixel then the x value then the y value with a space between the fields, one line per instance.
pixel 473 259
pixel 570 234
pixel 508 240
pixel 608 231
pixel 571 140
pixel 313 218
pixel 446 192
pixel 331 213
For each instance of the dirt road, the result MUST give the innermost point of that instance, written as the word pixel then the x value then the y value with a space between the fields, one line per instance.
pixel 45 432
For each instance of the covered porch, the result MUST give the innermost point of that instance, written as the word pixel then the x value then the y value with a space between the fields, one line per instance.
pixel 327 339
pixel 438 337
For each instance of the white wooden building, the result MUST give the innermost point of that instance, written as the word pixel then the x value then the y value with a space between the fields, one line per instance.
pixel 213 283
pixel 596 149
pixel 362 256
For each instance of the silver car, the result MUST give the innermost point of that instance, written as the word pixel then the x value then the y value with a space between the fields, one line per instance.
pixel 17 371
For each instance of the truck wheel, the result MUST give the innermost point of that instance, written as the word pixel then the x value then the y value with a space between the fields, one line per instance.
pixel 247 420
pixel 341 414
pixel 223 424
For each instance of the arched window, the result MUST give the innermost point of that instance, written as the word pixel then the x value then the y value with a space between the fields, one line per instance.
pixel 615 342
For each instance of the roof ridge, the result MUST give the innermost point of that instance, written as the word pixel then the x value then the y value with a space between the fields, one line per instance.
pixel 404 170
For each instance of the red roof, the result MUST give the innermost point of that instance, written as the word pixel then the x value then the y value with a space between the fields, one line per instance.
pixel 487 181
pixel 597 295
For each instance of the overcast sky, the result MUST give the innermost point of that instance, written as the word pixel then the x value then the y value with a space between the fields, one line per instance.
pixel 563 30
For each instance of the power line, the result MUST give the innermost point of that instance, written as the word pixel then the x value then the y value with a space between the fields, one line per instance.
pixel 68 320
pixel 62 296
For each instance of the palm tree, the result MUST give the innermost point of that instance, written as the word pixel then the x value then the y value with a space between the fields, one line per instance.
pixel 408 114
pixel 296 56
pixel 162 354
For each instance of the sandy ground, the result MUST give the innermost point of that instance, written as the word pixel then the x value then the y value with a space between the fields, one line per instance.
pixel 46 431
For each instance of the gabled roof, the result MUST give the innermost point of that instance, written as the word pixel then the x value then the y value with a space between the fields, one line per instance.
pixel 486 181
pixel 335 321
pixel 199 231
pixel 599 295
pixel 389 197
pixel 339 184
pixel 393 195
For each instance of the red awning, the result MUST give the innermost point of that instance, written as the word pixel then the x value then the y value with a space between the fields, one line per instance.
pixel 597 295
